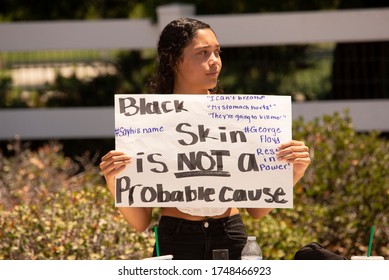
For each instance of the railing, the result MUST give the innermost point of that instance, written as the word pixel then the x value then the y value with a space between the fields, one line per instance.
pixel 233 30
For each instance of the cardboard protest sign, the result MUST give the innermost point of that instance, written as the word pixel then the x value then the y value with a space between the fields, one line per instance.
pixel 203 150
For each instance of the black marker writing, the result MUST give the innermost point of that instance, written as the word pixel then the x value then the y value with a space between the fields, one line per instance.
pixel 203 134
pixel 129 107
pixel 151 158
pixel 202 164
pixel 228 194
pixel 127 187
pixel 150 194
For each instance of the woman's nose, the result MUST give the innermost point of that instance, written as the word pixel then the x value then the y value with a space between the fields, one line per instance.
pixel 213 59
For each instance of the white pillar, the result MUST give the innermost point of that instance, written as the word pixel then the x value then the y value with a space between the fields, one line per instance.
pixel 170 12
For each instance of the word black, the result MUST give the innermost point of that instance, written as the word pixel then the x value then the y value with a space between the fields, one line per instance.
pixel 129 107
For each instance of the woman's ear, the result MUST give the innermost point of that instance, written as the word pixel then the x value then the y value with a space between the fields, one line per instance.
pixel 174 63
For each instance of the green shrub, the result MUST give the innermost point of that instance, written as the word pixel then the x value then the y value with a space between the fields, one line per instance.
pixel 52 207
pixel 343 193
pixel 346 188
pixel 51 210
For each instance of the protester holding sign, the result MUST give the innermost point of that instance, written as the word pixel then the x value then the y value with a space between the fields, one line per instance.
pixel 189 63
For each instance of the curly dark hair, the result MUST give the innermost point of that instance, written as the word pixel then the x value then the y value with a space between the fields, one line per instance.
pixel 173 39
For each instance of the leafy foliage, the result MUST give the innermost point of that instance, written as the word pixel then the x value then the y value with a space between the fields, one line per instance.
pixel 53 207
pixel 343 193
pixel 17 10
pixel 51 210
pixel 347 187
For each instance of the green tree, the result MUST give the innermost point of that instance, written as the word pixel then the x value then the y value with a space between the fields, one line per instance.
pixel 246 70
pixel 361 69
pixel 27 10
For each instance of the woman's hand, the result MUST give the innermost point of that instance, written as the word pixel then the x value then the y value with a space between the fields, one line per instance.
pixel 111 164
pixel 296 153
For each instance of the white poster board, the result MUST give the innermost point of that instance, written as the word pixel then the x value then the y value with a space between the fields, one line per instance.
pixel 203 150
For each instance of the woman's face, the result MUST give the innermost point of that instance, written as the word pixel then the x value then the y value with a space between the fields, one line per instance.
pixel 198 69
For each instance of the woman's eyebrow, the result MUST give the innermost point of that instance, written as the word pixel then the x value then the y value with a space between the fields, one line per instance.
pixel 207 47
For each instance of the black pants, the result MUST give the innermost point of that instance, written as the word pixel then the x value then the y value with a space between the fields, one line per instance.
pixel 195 240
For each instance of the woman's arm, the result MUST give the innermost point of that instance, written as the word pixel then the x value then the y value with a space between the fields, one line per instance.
pixel 296 153
pixel 111 164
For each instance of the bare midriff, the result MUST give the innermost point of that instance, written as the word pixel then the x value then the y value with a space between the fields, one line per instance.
pixel 174 212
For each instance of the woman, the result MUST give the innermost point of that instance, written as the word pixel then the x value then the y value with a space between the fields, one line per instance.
pixel 190 63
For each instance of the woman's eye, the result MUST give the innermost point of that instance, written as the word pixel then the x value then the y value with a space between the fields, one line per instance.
pixel 206 53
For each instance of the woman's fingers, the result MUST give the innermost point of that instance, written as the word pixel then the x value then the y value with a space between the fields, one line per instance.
pixel 113 162
pixel 293 150
pixel 115 166
pixel 112 154
pixel 296 153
